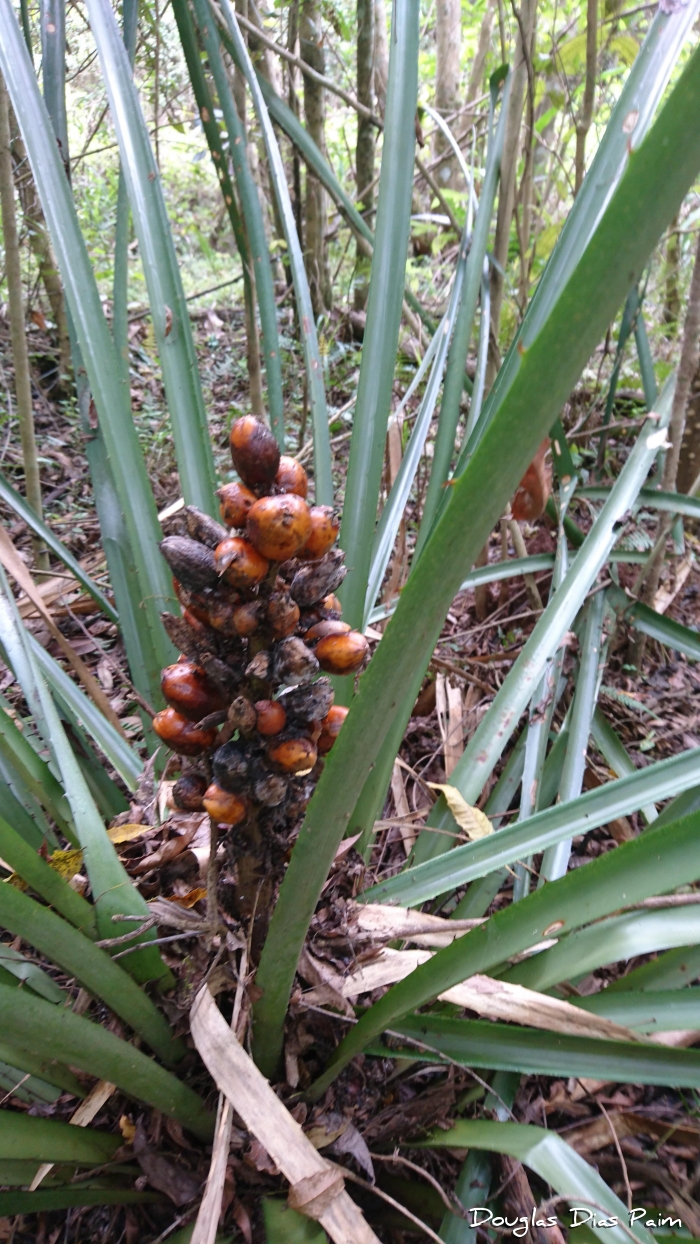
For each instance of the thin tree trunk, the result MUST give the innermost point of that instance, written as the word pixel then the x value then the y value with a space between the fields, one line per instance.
pixel 293 101
pixel 672 298
pixel 316 251
pixel 689 462
pixel 509 165
pixel 381 55
pixel 20 354
pixel 687 369
pixel 476 76
pixel 364 151
pixel 448 38
pixel 586 117
pixel 41 246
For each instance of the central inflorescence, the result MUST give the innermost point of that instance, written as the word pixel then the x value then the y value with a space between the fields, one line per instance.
pixel 260 623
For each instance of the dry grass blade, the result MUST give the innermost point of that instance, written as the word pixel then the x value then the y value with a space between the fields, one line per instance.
pixel 83 1116
pixel 316 1191
pixel 491 998
pixel 13 563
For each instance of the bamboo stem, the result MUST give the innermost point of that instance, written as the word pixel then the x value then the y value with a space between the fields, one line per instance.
pixel 20 353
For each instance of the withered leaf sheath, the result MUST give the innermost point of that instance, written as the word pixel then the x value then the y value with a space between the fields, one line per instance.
pixel 315 580
pixel 192 563
pixel 203 528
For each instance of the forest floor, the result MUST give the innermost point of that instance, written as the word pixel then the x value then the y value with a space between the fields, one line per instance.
pixel 650 1149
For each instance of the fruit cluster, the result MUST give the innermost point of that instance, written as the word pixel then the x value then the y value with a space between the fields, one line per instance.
pixel 259 624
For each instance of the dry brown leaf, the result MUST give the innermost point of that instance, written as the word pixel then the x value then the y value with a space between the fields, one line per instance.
pixel 127 833
pixel 472 821
pixel 314 1194
pixel 385 923
pixel 268 1119
pixel 175 1181
pixel 167 851
pixel 205 1228
pixel 190 899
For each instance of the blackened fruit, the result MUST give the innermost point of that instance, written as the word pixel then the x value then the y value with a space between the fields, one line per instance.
pixel 325 525
pixel 188 792
pixel 309 703
pixel 270 790
pixel 254 451
pixel 291 477
pixel 293 755
pixel 331 728
pixel 239 563
pixel 271 717
pixel 187 688
pixel 231 767
pixel 279 526
pixel 293 662
pixel 203 528
pixel 282 615
pixel 223 806
pixel 342 654
pixel 236 500
pixel 316 579
pixel 182 735
pixel 246 618
pixel 192 563
pixel 327 626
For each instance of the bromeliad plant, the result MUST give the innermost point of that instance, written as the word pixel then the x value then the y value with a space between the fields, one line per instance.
pixel 246 708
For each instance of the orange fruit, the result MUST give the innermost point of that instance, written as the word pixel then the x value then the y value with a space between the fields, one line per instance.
pixel 342 654
pixel 224 807
pixel 240 563
pixel 291 476
pixel 236 501
pixel 331 728
pixel 271 717
pixel 293 755
pixel 182 735
pixel 279 526
pixel 254 451
pixel 325 525
pixel 188 689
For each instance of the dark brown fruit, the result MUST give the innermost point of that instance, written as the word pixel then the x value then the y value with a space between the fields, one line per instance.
pixel 342 654
pixel 231 767
pixel 182 735
pixel 328 626
pixel 187 688
pixel 203 528
pixel 325 525
pixel 271 717
pixel 291 477
pixel 239 563
pixel 331 728
pixel 279 526
pixel 271 790
pixel 315 580
pixel 293 662
pixel 293 755
pixel 188 792
pixel 246 618
pixel 309 703
pixel 224 807
pixel 192 563
pixel 254 451
pixel 242 715
pixel 236 501
pixel 282 615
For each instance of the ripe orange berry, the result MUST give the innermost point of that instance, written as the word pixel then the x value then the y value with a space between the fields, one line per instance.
pixel 224 807
pixel 239 563
pixel 182 735
pixel 293 755
pixel 279 526
pixel 271 717
pixel 328 626
pixel 236 501
pixel 332 604
pixel 195 624
pixel 291 477
pixel 246 618
pixel 342 654
pixel 188 689
pixel 254 451
pixel 325 525
pixel 331 728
